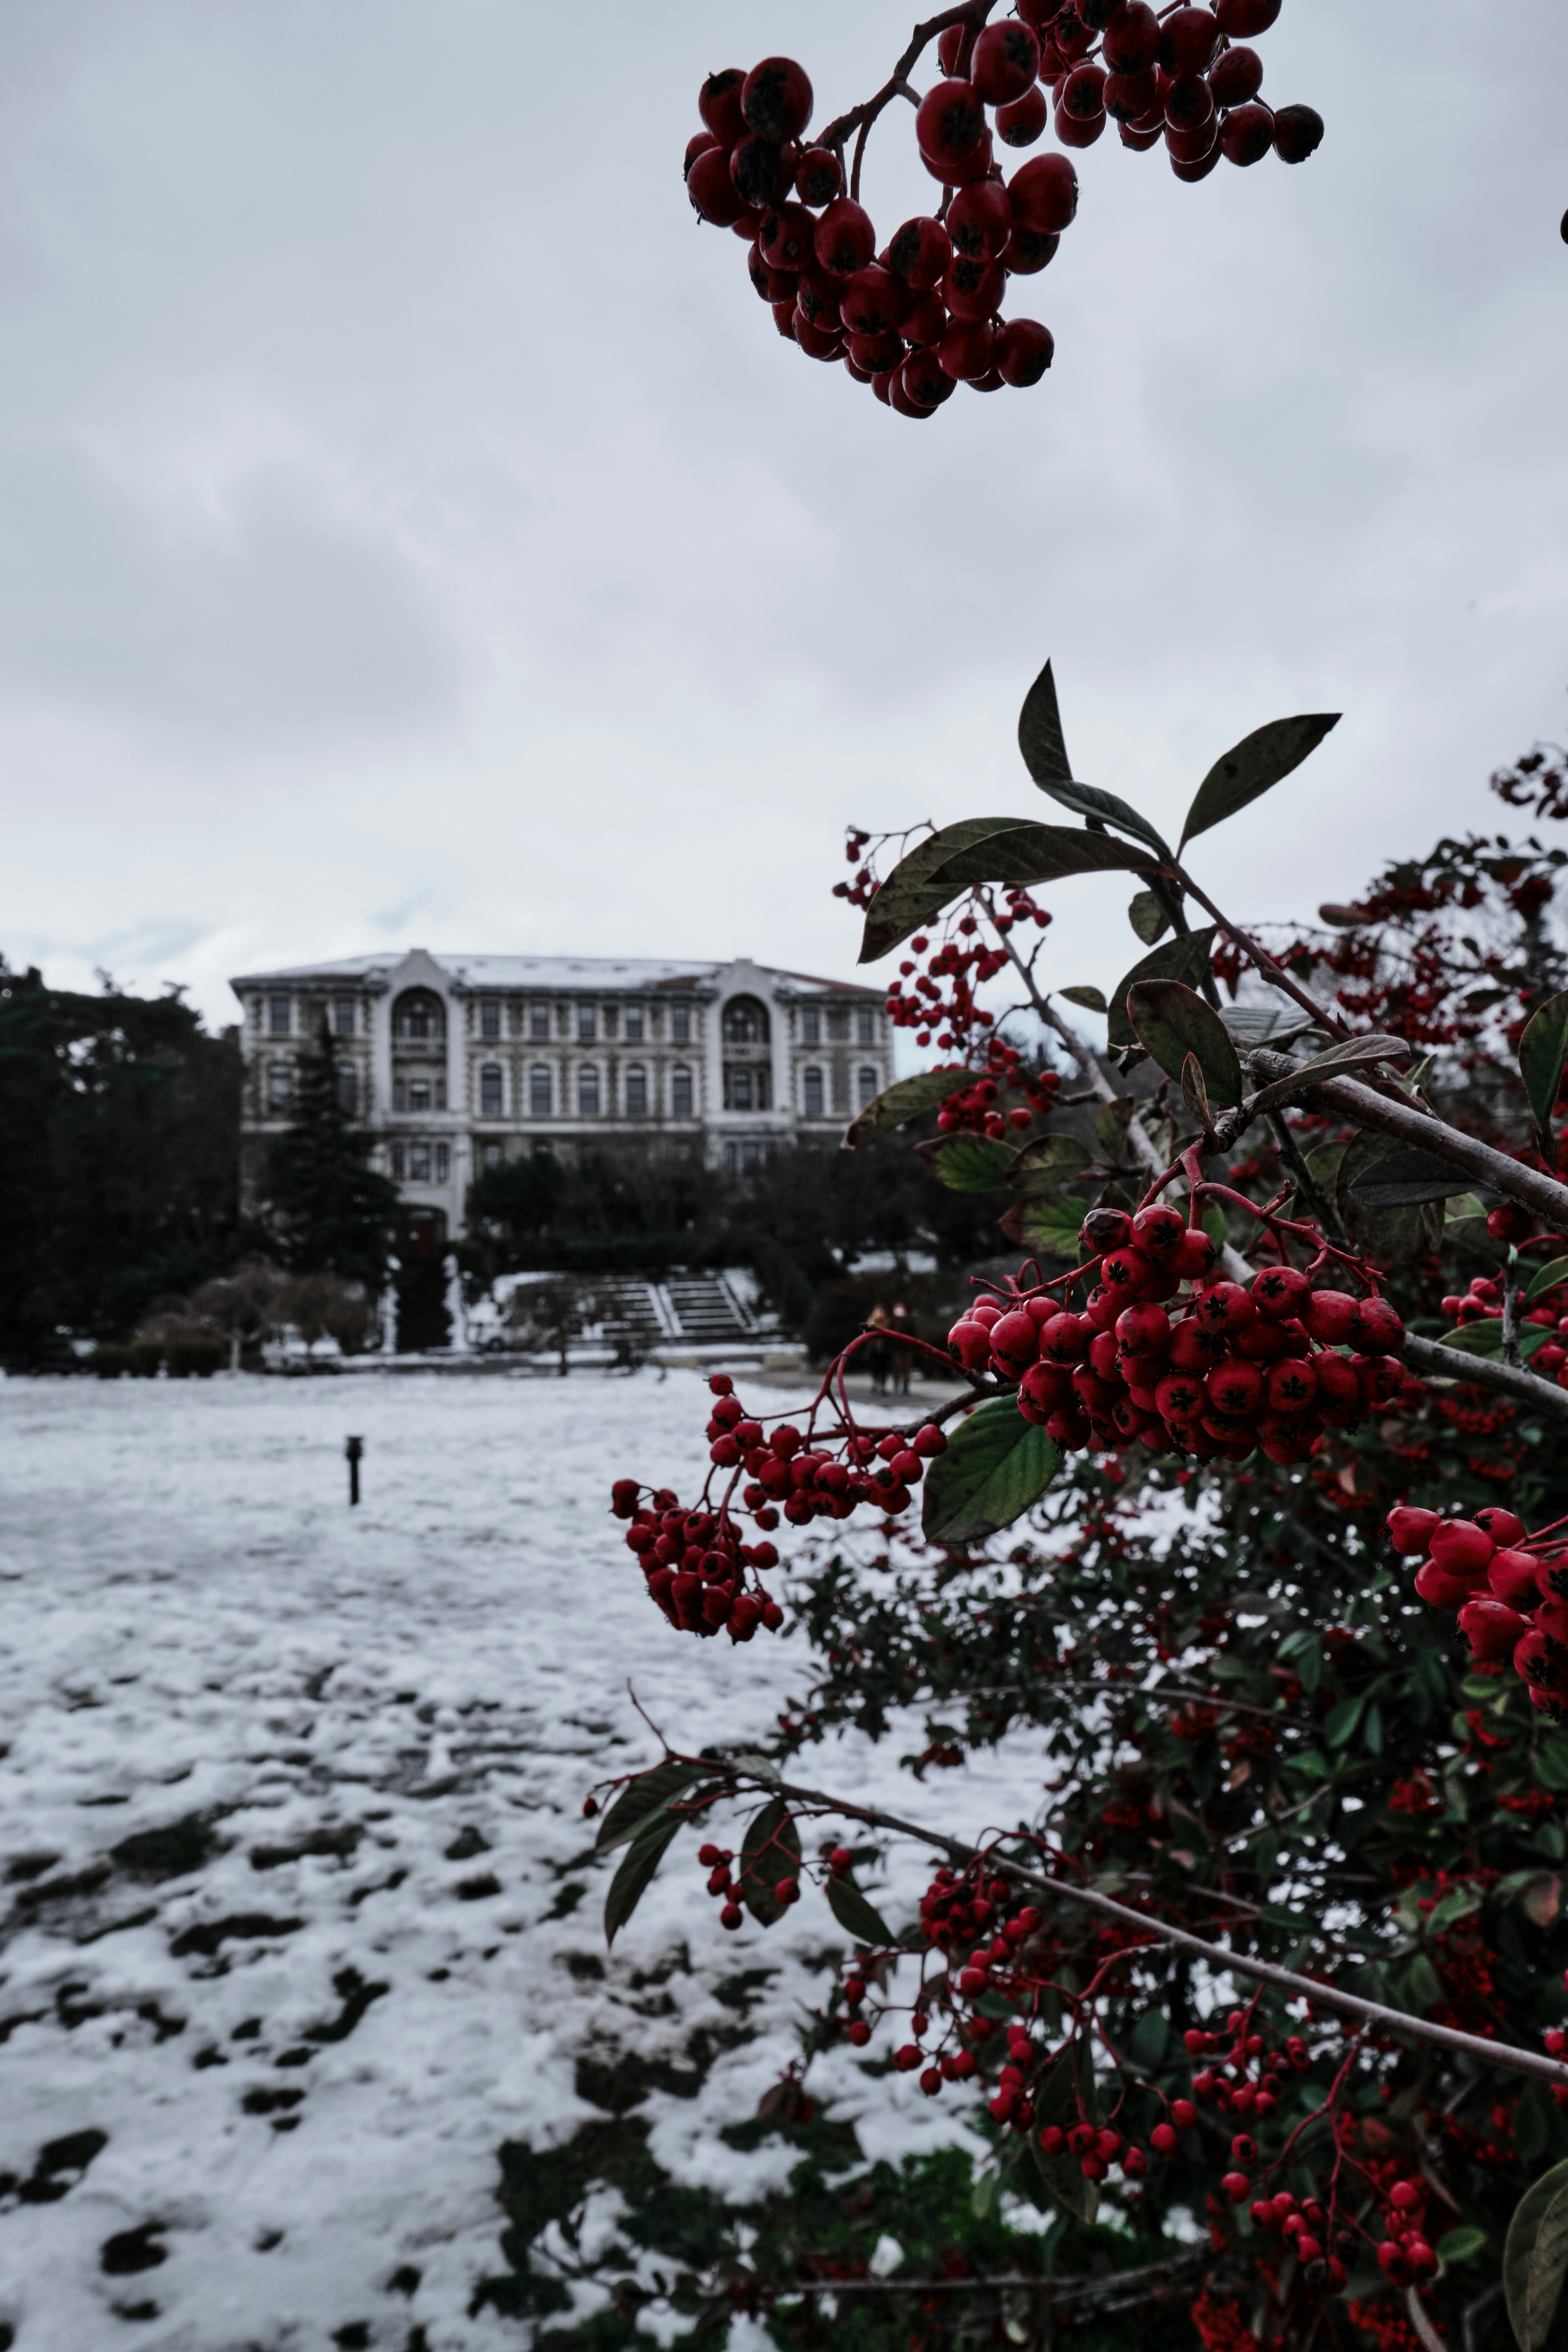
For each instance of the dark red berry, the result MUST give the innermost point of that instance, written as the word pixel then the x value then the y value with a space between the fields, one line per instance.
pixel 756 172
pixel 846 239
pixel 1005 61
pixel 719 104
pixel 965 351
pixel 1188 38
pixel 1028 251
pixel 1236 78
pixel 950 122
pixel 1242 20
pixel 1131 42
pixel 1023 351
pixel 980 220
pixel 1246 134
pixel 819 177
pixel 776 98
pixel 1082 92
pixel 1043 193
pixel 1021 123
pixel 974 289
pixel 920 253
pixel 712 188
pixel 1298 133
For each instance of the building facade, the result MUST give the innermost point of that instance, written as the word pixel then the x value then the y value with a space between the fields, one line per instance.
pixel 460 1063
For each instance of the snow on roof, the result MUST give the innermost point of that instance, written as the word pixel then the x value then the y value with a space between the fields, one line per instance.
pixel 560 972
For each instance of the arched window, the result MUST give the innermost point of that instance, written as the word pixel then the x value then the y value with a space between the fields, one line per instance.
pixel 636 1091
pixel 681 1092
pixel 492 1093
pixel 813 1104
pixel 867 1082
pixel 538 1090
pixel 418 1018
pixel 745 1022
pixel 587 1092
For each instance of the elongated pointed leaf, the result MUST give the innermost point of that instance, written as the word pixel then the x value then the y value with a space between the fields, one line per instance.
pixel 635 1875
pixel 1058 2104
pixel 1483 1337
pixel 1048 1160
pixel 995 1466
pixel 1089 998
pixel 1340 1060
pixel 1542 1048
pixel 983 849
pixel 1259 761
pixel 1194 1094
pixel 641 1798
pixel 1535 2257
pixel 1402 1180
pixel 969 1163
pixel 770 1853
pixel 855 1914
pixel 1546 1278
pixel 1185 958
pixel 1171 1020
pixel 1148 916
pixel 902 1101
pixel 1046 1228
pixel 1046 757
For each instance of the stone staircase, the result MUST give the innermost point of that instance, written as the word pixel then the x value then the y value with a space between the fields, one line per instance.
pixel 705 1309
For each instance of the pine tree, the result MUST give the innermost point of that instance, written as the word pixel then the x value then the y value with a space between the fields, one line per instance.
pixel 330 1211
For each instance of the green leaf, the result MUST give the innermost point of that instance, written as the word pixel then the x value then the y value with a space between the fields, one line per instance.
pixel 982 2196
pixel 1149 2039
pixel 1184 958
pixel 771 1853
pixel 983 849
pixel 634 1876
pixel 1195 1094
pixel 1059 2103
pixel 972 1163
pixel 1459 2245
pixel 1113 1124
pixel 1043 1228
pixel 855 1914
pixel 1546 1279
pixel 1089 998
pixel 1542 1048
pixel 1483 1337
pixel 640 1799
pixel 1471 1234
pixel 1173 1020
pixel 1340 1724
pixel 1551 1765
pixel 1423 1986
pixel 1046 1162
pixel 1403 1180
pixel 995 1466
pixel 1148 916
pixel 1342 1060
pixel 902 1101
pixel 1046 757
pixel 1535 2257
pixel 1259 761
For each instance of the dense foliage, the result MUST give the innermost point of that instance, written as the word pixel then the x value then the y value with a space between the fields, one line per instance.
pixel 330 1210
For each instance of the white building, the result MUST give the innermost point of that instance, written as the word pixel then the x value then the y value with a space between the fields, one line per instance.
pixel 460 1063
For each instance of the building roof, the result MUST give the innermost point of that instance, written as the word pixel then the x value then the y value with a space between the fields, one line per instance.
pixel 563 973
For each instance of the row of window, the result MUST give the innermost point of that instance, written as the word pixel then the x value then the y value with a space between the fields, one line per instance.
pixel 419 1018
pixel 421 1164
pixel 745 1089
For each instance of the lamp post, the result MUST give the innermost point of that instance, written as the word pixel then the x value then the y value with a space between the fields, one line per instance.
pixel 354 1449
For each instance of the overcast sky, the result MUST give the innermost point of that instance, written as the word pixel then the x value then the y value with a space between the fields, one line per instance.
pixel 413 532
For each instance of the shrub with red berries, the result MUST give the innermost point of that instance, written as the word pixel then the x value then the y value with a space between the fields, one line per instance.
pixel 920 314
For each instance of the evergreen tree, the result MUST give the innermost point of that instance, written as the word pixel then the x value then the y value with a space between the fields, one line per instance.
pixel 329 1210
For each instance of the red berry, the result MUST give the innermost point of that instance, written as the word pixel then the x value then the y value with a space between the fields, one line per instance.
pixel 1078 130
pixel 756 172
pixel 980 219
pixel 919 253
pixel 776 98
pixel 712 189
pixel 870 301
pixel 1298 133
pixel 1410 1530
pixel 1021 123
pixel 1461 1548
pixel 1028 251
pixel 731 1916
pixel 1188 38
pixel 719 104
pixel 1005 61
pixel 1044 195
pixel 950 123
pixel 860 2033
pixel 1236 78
pixel 1377 1329
pixel 1164 2139
pixel 1330 1316
pixel 1237 2186
pixel 972 289
pixel 1244 19
pixel 819 177
pixel 1131 42
pixel 845 239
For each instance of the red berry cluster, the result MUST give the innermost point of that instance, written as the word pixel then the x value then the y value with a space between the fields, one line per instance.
pixel 1174 78
pixel 942 1001
pixel 1304 2228
pixel 1404 2255
pixel 976 1111
pixel 920 317
pixel 694 1560
pixel 1234 1369
pixel 1484 1300
pixel 1508 1588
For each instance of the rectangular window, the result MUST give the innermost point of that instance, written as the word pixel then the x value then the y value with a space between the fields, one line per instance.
pixel 731 1160
pixel 680 1093
pixel 539 1091
pixel 491 1089
pixel 750 1157
pixel 636 1091
pixel 738 1089
pixel 865 1026
pixel 398 1163
pixel 400 1094
pixel 419 1163
pixel 810 1025
pixel 489 1155
pixel 440 1094
pixel 280 1085
pixel 812 1102
pixel 277 1016
pixel 418 1094
pixel 867 1082
pixel 588 1093
pixel 681 1023
pixel 634 1023
pixel 489 1018
pixel 539 1020
pixel 343 1015
pixel 443 1162
pixel 348 1088
pixel 838 1022
pixel 587 1022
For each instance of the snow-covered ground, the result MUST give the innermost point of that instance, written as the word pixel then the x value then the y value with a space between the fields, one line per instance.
pixel 301 1926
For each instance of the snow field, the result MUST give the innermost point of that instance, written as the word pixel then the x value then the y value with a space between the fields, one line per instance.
pixel 303 1919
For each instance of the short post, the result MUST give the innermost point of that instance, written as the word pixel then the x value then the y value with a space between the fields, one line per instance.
pixel 354 1449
